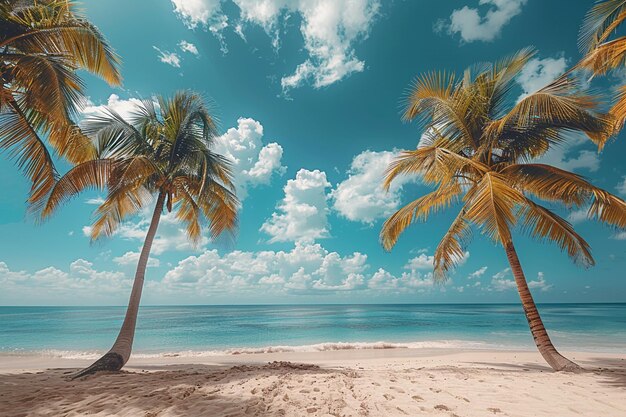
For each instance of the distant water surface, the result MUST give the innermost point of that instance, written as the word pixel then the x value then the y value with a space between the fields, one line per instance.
pixel 211 330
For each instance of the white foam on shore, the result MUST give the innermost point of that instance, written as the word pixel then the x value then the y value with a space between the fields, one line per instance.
pixel 318 347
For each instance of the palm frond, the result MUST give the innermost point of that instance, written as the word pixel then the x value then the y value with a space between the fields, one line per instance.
pixel 542 224
pixel 451 248
pixel 92 174
pixel 417 210
pixel 433 164
pixel 27 148
pixel 599 22
pixel 490 204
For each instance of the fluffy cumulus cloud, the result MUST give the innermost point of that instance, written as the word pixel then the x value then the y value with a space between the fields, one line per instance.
pixel 575 154
pixel 361 196
pixel 206 13
pixel 188 47
pixel 253 162
pixel 132 258
pixel 56 285
pixel 330 29
pixel 482 23
pixel 171 234
pixel 538 73
pixel 167 57
pixel 306 268
pixel 123 107
pixel 302 214
pixel 502 281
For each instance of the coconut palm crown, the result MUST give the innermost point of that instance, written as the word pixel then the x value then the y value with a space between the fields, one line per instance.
pixel 42 44
pixel 604 50
pixel 163 149
pixel 477 152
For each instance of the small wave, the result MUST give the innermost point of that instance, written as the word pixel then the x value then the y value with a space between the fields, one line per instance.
pixel 318 347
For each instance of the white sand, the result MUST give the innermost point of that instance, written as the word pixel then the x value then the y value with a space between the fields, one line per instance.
pixel 398 382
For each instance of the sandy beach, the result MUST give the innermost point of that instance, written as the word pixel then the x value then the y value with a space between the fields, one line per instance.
pixel 389 382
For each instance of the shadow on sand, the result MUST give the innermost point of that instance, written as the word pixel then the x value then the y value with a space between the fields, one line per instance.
pixel 163 390
pixel 610 371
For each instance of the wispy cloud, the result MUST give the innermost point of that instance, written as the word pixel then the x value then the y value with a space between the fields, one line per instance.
pixel 169 58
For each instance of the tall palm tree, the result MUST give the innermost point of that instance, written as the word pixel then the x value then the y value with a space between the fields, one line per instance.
pixel 164 149
pixel 603 50
pixel 477 152
pixel 42 44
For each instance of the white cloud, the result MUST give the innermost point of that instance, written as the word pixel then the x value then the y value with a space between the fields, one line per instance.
pixel 407 281
pixel 305 267
pixel 171 234
pixel 421 262
pixel 473 26
pixel 94 201
pixel 570 157
pixel 540 283
pixel 577 216
pixel 167 57
pixel 196 13
pixel 52 285
pixel 188 47
pixel 501 282
pixel 132 258
pixel 619 236
pixel 253 163
pixel 621 186
pixel 330 29
pixel 361 196
pixel 124 107
pixel 302 215
pixel 538 73
pixel 478 273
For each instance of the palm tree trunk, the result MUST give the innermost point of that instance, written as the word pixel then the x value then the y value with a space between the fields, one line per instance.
pixel 119 354
pixel 557 361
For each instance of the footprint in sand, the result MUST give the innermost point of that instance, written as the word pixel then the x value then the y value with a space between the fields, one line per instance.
pixel 417 398
pixel 389 397
pixel 441 407
pixel 398 390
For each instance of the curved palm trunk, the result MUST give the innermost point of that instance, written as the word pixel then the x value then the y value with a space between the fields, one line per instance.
pixel 557 361
pixel 119 354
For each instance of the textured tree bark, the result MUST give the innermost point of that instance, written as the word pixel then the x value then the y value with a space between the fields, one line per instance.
pixel 557 361
pixel 119 354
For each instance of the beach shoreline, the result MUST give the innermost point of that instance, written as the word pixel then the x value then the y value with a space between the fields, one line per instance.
pixel 374 382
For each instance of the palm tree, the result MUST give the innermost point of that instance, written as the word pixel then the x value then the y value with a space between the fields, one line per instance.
pixel 477 152
pixel 163 150
pixel 603 51
pixel 42 44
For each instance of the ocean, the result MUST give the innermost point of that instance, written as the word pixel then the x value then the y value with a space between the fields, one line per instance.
pixel 85 332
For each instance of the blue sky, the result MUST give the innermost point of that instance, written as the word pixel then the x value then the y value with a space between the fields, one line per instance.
pixel 308 97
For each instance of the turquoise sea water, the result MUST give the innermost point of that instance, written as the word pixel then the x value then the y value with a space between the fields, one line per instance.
pixel 209 330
